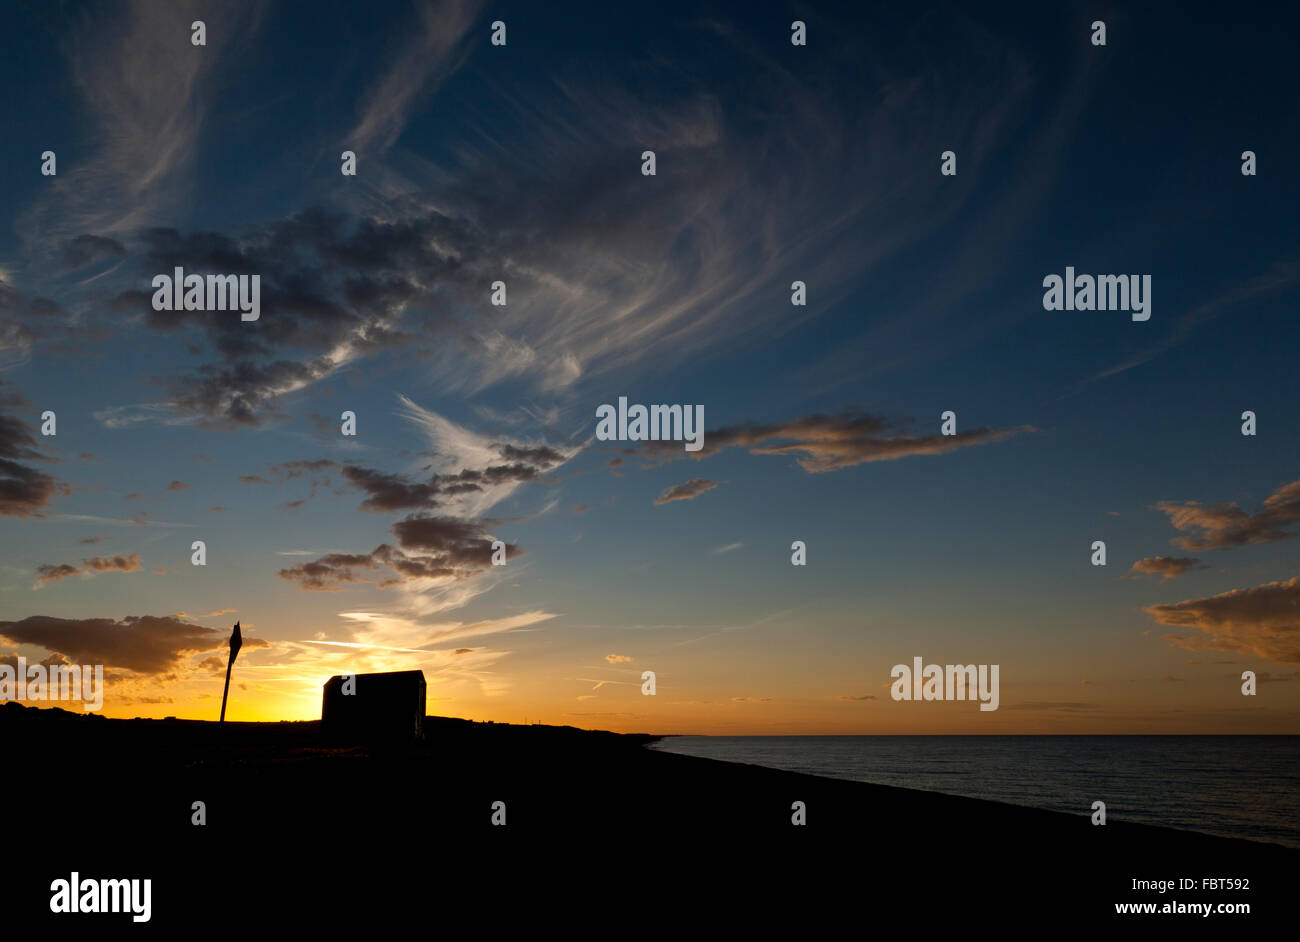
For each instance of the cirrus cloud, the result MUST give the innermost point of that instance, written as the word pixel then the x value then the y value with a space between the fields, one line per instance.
pixel 821 443
pixel 688 491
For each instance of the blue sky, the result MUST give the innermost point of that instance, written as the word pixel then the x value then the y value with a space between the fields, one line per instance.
pixel 774 163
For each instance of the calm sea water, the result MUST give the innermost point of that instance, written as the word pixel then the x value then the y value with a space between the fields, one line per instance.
pixel 1235 786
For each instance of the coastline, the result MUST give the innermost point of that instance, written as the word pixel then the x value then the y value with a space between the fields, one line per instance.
pixel 1201 784
pixel 278 785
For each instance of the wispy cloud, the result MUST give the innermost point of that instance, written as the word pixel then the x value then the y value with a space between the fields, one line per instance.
pixel 688 491
pixel 141 520
pixel 457 448
pixel 1226 525
pixel 144 90
pixel 427 55
pixel 1283 274
pixel 821 443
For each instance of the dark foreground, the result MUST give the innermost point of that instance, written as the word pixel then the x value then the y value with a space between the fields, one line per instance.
pixel 302 833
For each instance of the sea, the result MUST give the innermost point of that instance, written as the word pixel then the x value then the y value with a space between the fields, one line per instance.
pixel 1233 786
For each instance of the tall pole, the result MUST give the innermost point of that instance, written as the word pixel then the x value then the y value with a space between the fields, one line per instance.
pixel 236 641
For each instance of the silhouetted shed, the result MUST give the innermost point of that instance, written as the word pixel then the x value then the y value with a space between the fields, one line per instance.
pixel 374 706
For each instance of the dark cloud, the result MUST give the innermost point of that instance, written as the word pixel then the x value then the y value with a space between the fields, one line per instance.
pixel 1166 567
pixel 541 455
pixel 89 250
pixel 1226 525
pixel 292 470
pixel 411 278
pixel 1264 620
pixel 52 660
pixel 146 644
pixel 427 546
pixel 867 696
pixel 331 570
pixel 53 573
pixel 462 542
pixel 245 393
pixel 44 307
pixel 453 489
pixel 430 547
pixel 832 442
pixel 24 491
pixel 1264 677
pixel 177 486
pixel 569 224
pixel 414 567
pixel 688 491
pixel 31 321
pixel 113 563
pixel 332 288
pixel 296 469
pixel 389 492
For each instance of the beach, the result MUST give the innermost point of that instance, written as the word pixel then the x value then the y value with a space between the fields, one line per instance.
pixel 290 813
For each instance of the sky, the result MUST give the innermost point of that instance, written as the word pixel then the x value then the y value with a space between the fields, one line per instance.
pixel 476 422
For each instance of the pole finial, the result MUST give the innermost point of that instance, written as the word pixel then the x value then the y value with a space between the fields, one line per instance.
pixel 236 642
